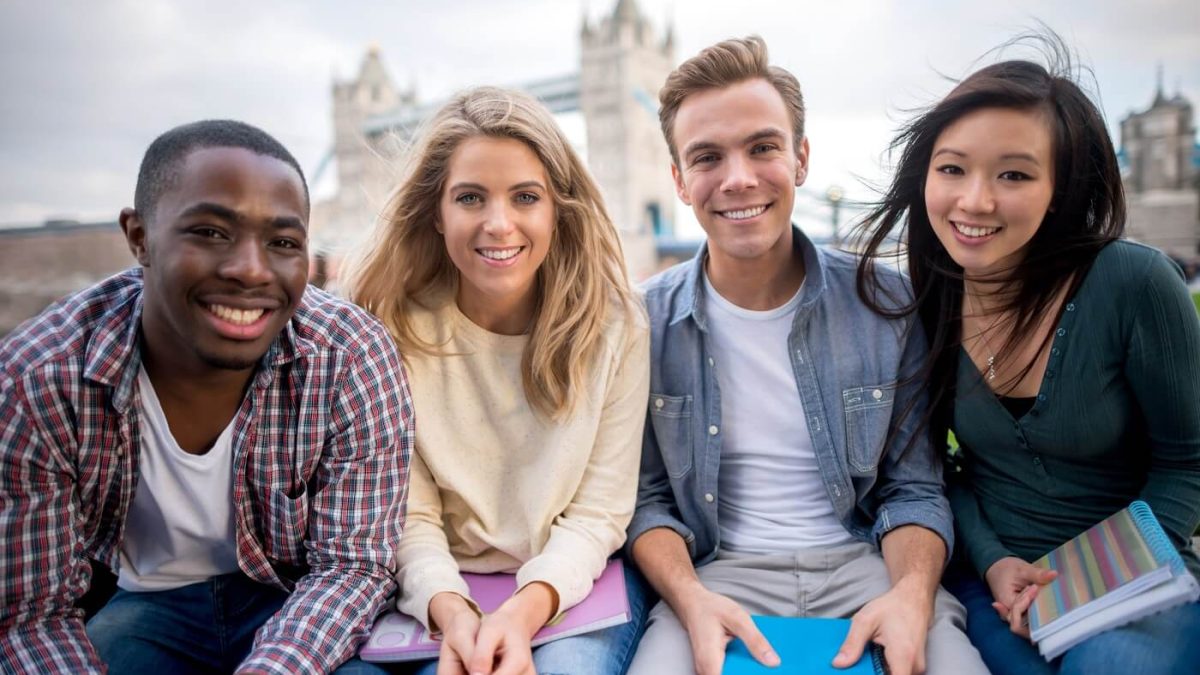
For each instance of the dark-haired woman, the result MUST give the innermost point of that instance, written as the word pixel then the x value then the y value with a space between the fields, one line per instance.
pixel 1065 359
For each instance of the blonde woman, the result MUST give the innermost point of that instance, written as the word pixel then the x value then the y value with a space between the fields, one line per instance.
pixel 500 275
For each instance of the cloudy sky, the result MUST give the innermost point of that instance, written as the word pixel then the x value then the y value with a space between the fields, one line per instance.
pixel 88 84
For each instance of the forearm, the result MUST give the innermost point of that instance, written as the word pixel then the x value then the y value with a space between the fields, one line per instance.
pixel 663 558
pixel 914 557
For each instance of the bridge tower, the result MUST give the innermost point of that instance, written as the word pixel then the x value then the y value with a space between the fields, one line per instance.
pixel 624 64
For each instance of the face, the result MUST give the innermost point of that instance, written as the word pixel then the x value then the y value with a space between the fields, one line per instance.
pixel 989 185
pixel 497 218
pixel 225 260
pixel 738 168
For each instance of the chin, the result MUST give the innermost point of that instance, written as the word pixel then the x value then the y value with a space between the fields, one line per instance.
pixel 231 361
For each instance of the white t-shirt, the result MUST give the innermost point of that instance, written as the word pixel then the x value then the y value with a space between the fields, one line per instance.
pixel 770 495
pixel 179 530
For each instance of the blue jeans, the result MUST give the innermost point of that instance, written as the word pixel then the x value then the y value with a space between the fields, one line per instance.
pixel 1162 644
pixel 603 652
pixel 200 628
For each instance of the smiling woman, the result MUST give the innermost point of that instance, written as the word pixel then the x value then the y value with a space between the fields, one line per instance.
pixel 500 274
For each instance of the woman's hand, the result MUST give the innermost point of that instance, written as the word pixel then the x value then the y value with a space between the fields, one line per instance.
pixel 1014 584
pixel 460 627
pixel 502 644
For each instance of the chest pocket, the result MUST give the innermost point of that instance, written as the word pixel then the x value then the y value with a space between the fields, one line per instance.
pixel 286 525
pixel 671 420
pixel 868 413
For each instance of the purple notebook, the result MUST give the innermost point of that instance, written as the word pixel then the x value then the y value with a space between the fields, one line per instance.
pixel 399 637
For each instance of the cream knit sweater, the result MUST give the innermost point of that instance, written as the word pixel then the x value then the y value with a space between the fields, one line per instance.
pixel 496 487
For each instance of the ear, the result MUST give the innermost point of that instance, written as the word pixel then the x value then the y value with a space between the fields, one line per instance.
pixel 680 188
pixel 135 235
pixel 802 161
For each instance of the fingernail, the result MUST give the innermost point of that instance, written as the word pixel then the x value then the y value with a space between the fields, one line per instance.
pixel 771 658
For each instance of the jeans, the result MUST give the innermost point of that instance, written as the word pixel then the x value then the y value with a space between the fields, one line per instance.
pixel 1162 644
pixel 200 628
pixel 602 652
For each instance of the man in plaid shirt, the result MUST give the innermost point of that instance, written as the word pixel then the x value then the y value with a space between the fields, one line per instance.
pixel 233 443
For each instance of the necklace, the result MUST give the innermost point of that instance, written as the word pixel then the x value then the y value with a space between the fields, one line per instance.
pixel 987 347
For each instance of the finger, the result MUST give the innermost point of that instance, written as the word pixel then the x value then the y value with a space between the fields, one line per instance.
pixel 1002 610
pixel 449 661
pixel 483 656
pixel 1016 618
pixel 1045 576
pixel 709 655
pixel 899 661
pixel 856 640
pixel 513 661
pixel 742 626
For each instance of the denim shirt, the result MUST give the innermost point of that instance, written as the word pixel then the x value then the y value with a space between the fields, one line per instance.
pixel 853 369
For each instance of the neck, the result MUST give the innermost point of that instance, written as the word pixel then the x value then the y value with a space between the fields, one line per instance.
pixel 757 284
pixel 201 385
pixel 988 297
pixel 504 317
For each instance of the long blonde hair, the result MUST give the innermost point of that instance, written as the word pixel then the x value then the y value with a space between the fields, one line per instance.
pixel 582 278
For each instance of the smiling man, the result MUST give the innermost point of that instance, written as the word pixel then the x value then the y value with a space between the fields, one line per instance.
pixel 783 471
pixel 233 443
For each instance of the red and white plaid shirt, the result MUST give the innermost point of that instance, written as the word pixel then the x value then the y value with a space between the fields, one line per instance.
pixel 321 451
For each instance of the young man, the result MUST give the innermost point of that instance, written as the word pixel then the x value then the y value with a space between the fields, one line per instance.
pixel 783 451
pixel 231 442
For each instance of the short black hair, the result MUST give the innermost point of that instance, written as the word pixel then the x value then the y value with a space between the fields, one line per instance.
pixel 161 163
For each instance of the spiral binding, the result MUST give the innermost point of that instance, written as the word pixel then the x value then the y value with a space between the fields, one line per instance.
pixel 1156 539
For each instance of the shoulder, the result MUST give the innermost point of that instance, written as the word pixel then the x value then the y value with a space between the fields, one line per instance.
pixel 63 331
pixel 666 291
pixel 889 284
pixel 1127 269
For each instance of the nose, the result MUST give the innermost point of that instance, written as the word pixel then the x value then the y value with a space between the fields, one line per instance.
pixel 739 174
pixel 977 196
pixel 498 221
pixel 247 263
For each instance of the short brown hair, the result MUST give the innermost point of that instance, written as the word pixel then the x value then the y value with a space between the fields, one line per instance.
pixel 721 65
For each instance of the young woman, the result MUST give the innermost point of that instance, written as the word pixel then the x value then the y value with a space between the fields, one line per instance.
pixel 1065 359
pixel 501 277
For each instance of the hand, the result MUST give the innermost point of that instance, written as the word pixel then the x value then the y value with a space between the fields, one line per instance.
pixel 1014 584
pixel 502 644
pixel 712 620
pixel 450 613
pixel 898 621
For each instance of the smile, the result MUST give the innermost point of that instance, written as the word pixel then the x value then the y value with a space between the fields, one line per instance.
pixel 239 317
pixel 744 214
pixel 974 231
pixel 499 253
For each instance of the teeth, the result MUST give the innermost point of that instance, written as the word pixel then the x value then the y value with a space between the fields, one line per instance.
pixel 241 317
pixel 499 254
pixel 744 213
pixel 975 231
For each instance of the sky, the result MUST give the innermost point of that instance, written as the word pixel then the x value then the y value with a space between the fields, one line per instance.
pixel 88 84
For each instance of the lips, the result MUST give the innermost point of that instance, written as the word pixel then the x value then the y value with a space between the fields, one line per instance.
pixel 745 213
pixel 973 231
pixel 238 323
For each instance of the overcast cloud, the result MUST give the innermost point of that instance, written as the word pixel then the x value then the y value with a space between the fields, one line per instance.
pixel 87 85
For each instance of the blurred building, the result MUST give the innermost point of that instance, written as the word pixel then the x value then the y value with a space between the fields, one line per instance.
pixel 1160 163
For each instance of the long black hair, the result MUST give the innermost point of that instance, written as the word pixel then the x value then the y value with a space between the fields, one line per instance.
pixel 1087 211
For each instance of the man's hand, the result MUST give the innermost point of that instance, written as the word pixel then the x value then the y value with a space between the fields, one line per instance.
pixel 1014 584
pixel 711 621
pixel 897 621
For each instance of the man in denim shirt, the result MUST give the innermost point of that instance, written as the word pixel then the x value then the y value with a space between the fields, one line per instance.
pixel 784 469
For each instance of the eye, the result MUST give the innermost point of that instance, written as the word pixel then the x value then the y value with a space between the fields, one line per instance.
pixel 526 198
pixel 950 169
pixel 706 158
pixel 468 199
pixel 207 232
pixel 288 243
pixel 763 147
pixel 1015 176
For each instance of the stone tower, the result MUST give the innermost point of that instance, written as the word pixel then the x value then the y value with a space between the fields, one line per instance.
pixel 1162 183
pixel 624 64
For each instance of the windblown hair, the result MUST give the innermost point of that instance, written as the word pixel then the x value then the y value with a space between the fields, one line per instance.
pixel 1086 213
pixel 163 159
pixel 581 281
pixel 721 65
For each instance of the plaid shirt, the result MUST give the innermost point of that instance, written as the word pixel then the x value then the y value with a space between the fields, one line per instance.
pixel 321 450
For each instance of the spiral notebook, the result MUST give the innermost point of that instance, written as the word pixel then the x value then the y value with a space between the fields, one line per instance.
pixel 398 637
pixel 1119 571
pixel 805 645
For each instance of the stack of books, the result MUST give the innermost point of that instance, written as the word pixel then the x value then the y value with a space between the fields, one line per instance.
pixel 1117 572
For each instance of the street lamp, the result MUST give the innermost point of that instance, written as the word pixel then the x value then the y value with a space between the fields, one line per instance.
pixel 834 195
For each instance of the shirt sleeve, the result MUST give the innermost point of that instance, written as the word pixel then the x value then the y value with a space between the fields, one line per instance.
pixel 593 525
pixel 1163 369
pixel 43 569
pixel 975 535
pixel 910 490
pixel 357 512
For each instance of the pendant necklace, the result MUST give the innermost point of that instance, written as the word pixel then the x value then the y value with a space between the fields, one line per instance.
pixel 987 347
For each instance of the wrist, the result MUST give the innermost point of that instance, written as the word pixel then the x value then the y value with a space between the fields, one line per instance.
pixel 531 607
pixel 443 607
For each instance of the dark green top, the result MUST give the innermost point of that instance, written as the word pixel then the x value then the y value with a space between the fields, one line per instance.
pixel 1117 418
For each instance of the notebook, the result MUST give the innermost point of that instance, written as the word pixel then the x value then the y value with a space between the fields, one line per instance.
pixel 399 637
pixel 804 645
pixel 1118 571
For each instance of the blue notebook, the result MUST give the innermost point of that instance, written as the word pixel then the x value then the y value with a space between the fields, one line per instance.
pixel 804 646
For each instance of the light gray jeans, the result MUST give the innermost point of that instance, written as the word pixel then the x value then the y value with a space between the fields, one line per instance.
pixel 829 582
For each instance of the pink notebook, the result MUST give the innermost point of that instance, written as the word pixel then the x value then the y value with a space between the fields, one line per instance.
pixel 399 637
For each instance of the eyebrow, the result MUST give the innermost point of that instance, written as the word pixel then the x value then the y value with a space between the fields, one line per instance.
pixel 525 185
pixel 226 213
pixel 1025 156
pixel 768 132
